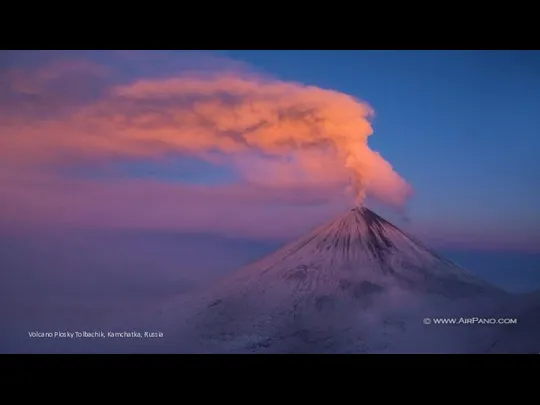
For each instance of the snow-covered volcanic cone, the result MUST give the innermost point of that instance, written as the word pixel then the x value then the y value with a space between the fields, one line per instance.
pixel 355 285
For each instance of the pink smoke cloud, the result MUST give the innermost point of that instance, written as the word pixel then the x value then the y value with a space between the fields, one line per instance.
pixel 290 132
pixel 295 147
pixel 242 210
pixel 42 80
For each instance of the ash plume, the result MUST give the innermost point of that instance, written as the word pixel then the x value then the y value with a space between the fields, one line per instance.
pixel 274 132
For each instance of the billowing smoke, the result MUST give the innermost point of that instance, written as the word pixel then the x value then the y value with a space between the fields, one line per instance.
pixel 305 130
pixel 274 132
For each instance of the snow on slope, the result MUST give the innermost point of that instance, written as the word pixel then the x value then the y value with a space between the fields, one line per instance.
pixel 524 336
pixel 360 244
pixel 357 284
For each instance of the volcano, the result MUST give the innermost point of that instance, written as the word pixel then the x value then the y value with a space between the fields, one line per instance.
pixel 355 285
pixel 358 253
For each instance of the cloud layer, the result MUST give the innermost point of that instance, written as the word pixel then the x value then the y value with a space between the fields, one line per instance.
pixel 287 141
pixel 274 132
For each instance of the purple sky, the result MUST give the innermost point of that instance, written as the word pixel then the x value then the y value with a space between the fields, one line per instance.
pixel 264 145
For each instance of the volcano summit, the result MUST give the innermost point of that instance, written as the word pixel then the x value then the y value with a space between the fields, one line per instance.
pixel 357 284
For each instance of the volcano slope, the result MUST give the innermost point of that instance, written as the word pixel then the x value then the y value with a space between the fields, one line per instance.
pixel 523 337
pixel 355 285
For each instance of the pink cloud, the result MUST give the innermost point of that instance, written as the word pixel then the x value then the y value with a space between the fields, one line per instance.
pixel 36 81
pixel 290 133
pixel 241 210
